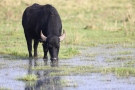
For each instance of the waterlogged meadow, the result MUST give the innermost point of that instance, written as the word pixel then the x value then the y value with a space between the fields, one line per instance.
pixel 87 23
pixel 99 47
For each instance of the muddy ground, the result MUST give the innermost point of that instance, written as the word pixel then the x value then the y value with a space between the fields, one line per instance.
pixel 99 56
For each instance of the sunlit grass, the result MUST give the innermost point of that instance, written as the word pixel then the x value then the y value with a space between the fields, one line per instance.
pixel 125 52
pixel 84 70
pixel 89 24
pixel 129 63
pixel 69 52
pixel 29 77
pixel 65 70
pixel 120 71
pixel 4 88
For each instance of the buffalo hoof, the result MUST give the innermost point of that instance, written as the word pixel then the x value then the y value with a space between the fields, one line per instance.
pixel 54 64
pixel 45 60
pixel 30 57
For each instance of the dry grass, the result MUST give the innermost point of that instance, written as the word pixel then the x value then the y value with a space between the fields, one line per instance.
pixel 87 22
pixel 104 15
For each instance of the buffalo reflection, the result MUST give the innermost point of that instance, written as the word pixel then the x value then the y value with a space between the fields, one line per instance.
pixel 45 82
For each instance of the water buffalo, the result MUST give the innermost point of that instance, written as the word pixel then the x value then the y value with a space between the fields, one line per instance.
pixel 43 24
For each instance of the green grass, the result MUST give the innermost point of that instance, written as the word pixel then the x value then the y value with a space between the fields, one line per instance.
pixel 89 24
pixel 123 58
pixel 29 77
pixel 129 63
pixel 120 71
pixel 119 52
pixel 4 89
pixel 65 70
pixel 69 52
pixel 84 70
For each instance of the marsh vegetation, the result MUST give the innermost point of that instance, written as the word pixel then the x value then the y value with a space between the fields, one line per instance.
pixel 100 39
pixel 87 23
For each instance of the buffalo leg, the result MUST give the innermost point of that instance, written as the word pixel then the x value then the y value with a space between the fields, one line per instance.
pixel 45 48
pixel 35 47
pixel 29 45
pixel 29 42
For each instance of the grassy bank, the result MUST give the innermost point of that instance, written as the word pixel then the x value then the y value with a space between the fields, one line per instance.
pixel 87 23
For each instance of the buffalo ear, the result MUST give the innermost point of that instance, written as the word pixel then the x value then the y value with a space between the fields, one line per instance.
pixel 62 37
pixel 42 36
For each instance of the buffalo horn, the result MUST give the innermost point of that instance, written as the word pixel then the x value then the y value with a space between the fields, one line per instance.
pixel 42 36
pixel 62 36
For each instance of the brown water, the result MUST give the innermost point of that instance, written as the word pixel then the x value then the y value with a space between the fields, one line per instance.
pixel 103 55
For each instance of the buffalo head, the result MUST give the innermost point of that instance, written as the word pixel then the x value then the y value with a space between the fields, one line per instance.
pixel 52 44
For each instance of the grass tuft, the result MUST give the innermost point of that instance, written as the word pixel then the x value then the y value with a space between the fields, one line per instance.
pixel 120 71
pixel 31 77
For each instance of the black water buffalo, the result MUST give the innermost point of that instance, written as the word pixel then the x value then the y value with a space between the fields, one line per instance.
pixel 43 24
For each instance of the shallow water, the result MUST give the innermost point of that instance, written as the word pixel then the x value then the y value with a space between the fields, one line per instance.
pixel 100 82
pixel 103 55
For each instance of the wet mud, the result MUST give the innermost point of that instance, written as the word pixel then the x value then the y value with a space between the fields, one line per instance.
pixel 100 56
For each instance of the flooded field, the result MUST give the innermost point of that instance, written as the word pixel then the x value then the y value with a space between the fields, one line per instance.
pixel 102 56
